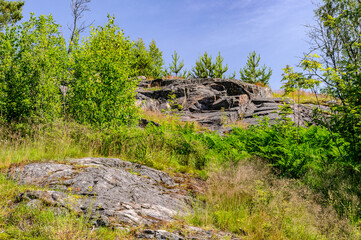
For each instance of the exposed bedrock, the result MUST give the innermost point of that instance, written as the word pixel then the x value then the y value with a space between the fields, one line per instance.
pixel 115 193
pixel 216 102
pixel 112 191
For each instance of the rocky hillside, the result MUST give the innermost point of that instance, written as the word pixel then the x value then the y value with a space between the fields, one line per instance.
pixel 216 102
pixel 114 193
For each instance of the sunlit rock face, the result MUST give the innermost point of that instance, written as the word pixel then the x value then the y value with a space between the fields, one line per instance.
pixel 216 103
pixel 111 191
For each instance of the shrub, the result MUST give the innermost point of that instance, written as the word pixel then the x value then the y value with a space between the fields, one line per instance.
pixel 102 92
pixel 33 61
pixel 293 150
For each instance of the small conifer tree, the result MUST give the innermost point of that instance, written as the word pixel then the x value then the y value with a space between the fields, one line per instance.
pixel 147 62
pixel 251 73
pixel 141 61
pixel 204 67
pixel 232 76
pixel 219 70
pixel 157 62
pixel 176 66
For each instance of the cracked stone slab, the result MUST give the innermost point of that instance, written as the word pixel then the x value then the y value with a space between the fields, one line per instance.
pixel 111 190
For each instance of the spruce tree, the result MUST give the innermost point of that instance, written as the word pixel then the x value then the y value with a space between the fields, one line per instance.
pixel 147 62
pixel 141 60
pixel 156 67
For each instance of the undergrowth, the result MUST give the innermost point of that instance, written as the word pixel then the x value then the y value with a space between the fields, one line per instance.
pixel 251 201
pixel 306 192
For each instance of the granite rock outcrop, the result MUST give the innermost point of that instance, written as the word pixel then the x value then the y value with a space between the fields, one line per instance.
pixel 215 103
pixel 111 191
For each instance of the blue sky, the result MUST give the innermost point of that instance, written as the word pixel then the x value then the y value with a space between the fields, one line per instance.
pixel 273 28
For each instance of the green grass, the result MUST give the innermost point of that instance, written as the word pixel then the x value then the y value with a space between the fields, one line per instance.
pixel 266 202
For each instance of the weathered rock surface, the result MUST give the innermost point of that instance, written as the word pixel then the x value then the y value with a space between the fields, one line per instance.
pixel 211 102
pixel 216 102
pixel 112 191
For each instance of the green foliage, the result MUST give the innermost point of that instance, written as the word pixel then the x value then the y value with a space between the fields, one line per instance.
pixel 186 74
pixel 157 61
pixel 293 150
pixel 251 73
pixel 337 68
pixel 141 61
pixel 232 76
pixel 219 69
pixel 10 12
pixel 33 61
pixel 205 68
pixel 102 92
pixel 176 66
pixel 310 157
pixel 146 62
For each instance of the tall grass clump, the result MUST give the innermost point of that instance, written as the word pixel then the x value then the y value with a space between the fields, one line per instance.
pixel 250 201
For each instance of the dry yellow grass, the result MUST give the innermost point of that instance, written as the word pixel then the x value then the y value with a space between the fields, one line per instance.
pixel 304 97
pixel 172 119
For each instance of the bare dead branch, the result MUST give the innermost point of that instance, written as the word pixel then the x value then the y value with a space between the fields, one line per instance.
pixel 78 7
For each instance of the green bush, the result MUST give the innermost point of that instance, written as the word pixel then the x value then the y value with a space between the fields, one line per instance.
pixel 33 61
pixel 336 71
pixel 102 92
